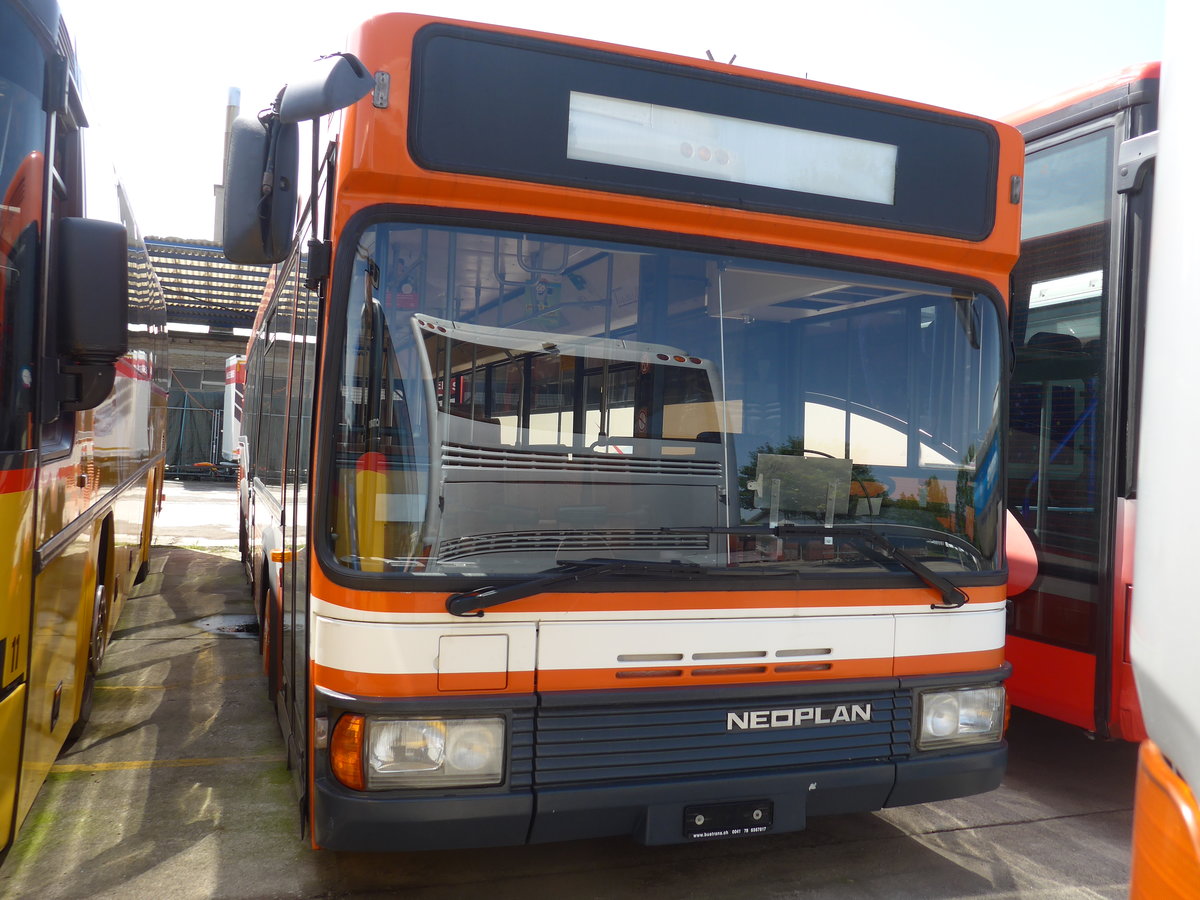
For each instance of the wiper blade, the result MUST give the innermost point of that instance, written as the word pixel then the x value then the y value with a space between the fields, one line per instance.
pixel 473 603
pixel 952 596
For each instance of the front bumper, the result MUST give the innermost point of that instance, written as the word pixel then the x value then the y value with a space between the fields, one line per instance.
pixel 643 765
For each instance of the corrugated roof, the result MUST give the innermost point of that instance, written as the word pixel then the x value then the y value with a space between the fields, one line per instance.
pixel 202 287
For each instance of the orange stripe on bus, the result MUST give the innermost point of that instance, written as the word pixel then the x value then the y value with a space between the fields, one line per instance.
pixel 371 684
pixel 400 686
pixel 647 601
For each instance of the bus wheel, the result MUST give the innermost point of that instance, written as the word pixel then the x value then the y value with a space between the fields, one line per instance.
pixel 244 542
pixel 258 589
pixel 96 647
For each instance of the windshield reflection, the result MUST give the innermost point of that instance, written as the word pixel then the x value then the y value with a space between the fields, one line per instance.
pixel 22 176
pixel 511 402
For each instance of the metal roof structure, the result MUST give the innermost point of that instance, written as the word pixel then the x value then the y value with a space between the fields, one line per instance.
pixel 202 287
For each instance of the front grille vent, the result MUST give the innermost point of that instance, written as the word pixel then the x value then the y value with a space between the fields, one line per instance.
pixel 683 740
pixel 597 542
pixel 465 456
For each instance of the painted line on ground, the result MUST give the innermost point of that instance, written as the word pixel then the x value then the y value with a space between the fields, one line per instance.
pixel 177 684
pixel 136 764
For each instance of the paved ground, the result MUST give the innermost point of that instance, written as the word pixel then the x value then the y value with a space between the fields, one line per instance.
pixel 179 789
pixel 198 514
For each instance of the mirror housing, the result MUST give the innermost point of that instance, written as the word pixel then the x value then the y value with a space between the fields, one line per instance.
pixel 262 161
pixel 334 82
pixel 92 322
pixel 261 169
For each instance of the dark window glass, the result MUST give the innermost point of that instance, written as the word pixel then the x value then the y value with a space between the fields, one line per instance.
pixel 295 600
pixel 22 146
pixel 271 430
pixel 1061 293
pixel 603 121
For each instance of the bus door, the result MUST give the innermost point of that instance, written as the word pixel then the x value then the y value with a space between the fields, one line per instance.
pixel 1069 466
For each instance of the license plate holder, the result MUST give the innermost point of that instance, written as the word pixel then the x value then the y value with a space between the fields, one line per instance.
pixel 721 820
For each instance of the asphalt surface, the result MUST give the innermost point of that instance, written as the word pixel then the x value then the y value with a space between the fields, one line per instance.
pixel 179 789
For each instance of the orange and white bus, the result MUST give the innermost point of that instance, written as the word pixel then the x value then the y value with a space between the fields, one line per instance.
pixel 1166 616
pixel 623 441
pixel 83 408
pixel 1079 301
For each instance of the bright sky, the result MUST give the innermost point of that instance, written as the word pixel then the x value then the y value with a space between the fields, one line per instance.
pixel 157 73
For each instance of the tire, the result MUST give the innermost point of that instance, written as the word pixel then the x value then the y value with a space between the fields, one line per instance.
pixel 258 590
pixel 243 541
pixel 96 647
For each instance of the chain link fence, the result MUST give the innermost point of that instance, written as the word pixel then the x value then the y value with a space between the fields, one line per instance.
pixel 194 428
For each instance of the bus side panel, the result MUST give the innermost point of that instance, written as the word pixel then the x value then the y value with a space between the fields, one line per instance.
pixel 128 513
pixel 12 709
pixel 16 506
pixel 122 446
pixel 62 616
pixel 1127 722
pixel 1052 681
pixel 132 526
pixel 1125 717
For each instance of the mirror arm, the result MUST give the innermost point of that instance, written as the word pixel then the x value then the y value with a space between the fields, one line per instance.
pixel 84 386
pixel 315 274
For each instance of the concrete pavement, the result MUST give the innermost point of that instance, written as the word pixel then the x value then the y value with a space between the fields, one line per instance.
pixel 197 513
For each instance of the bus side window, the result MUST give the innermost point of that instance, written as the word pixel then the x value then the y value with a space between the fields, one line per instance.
pixel 250 409
pixel 270 439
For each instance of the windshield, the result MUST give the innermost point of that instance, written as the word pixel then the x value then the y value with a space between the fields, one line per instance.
pixel 510 402
pixel 22 134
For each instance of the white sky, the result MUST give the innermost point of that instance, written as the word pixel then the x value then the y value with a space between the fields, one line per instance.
pixel 157 73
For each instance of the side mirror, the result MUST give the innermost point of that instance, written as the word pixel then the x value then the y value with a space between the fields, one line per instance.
pixel 93 309
pixel 263 159
pixel 261 168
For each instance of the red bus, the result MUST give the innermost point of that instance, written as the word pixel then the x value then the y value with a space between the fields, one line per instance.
pixel 82 405
pixel 623 446
pixel 1078 305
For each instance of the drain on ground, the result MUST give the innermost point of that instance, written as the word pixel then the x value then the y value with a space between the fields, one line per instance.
pixel 231 625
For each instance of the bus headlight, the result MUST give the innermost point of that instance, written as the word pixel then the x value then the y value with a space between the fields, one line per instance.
pixel 432 752
pixel 951 718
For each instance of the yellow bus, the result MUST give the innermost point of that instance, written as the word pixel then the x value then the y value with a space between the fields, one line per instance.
pixel 623 446
pixel 82 377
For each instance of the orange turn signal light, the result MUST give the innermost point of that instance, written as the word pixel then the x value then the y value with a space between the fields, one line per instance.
pixel 346 751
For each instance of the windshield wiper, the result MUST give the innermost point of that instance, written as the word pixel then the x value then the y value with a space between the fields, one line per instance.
pixel 473 603
pixel 865 538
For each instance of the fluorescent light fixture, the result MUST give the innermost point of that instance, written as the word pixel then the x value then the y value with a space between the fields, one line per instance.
pixel 685 142
pixel 1084 286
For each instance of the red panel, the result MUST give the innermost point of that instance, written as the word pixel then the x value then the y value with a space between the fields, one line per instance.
pixel 1126 710
pixel 1053 681
pixel 1127 723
